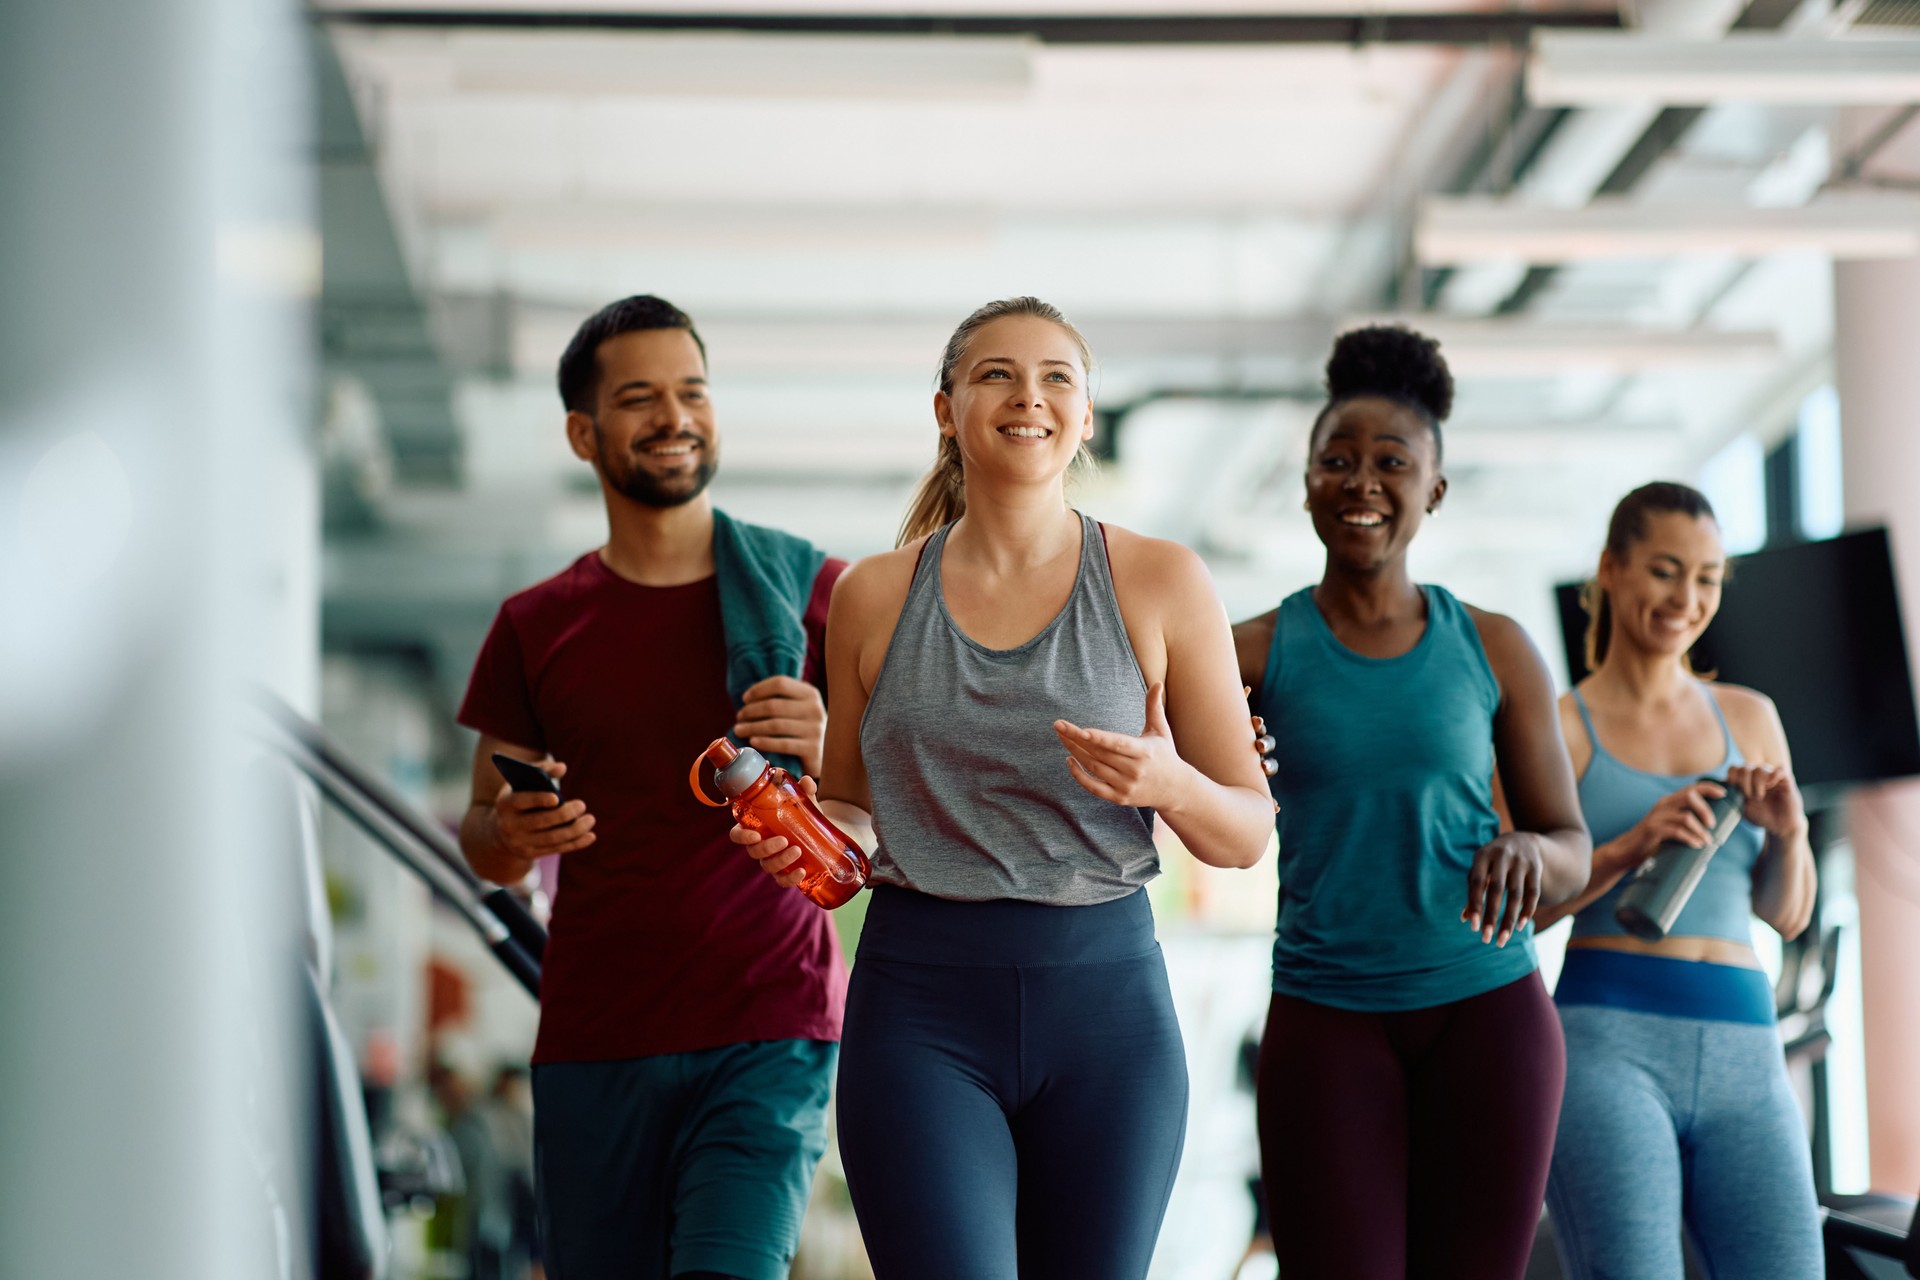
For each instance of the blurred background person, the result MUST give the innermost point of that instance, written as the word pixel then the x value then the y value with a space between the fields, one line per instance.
pixel 1678 1114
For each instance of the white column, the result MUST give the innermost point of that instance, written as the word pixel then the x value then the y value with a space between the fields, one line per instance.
pixel 1877 318
pixel 150 239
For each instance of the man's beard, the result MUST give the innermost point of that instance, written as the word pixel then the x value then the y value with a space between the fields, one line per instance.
pixel 631 480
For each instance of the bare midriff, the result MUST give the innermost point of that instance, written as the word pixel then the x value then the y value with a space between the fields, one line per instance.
pixel 1709 950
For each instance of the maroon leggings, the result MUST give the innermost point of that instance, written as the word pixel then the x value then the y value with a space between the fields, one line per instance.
pixel 1411 1144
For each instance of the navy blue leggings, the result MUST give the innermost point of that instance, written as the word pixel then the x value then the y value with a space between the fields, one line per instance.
pixel 1013 1089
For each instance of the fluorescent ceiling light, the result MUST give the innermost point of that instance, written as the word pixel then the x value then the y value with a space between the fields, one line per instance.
pixel 1564 445
pixel 1580 69
pixel 602 227
pixel 1466 229
pixel 1525 349
pixel 731 65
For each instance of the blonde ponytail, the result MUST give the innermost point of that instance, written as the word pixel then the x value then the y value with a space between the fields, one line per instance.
pixel 942 496
pixel 940 499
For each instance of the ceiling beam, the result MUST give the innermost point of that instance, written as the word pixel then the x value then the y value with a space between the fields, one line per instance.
pixel 1453 230
pixel 1514 27
pixel 1587 68
pixel 1516 348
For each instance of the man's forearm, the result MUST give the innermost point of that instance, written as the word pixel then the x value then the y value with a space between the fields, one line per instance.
pixel 480 842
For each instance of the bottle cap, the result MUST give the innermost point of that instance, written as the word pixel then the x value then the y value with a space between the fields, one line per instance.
pixel 735 769
pixel 740 772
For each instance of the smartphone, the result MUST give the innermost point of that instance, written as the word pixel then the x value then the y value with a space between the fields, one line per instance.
pixel 523 776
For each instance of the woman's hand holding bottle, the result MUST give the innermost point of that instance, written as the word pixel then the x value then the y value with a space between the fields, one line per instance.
pixel 781 821
pixel 776 854
pixel 1685 816
pixel 1772 798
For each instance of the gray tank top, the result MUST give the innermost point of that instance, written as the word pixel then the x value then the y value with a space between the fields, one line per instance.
pixel 972 799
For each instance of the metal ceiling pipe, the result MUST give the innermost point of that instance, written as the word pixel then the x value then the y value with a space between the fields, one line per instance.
pixel 1468 28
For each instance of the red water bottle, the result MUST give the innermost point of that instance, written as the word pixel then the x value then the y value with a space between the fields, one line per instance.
pixel 765 798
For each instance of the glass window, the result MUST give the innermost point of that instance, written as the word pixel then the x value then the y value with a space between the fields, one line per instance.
pixel 1822 502
pixel 1734 481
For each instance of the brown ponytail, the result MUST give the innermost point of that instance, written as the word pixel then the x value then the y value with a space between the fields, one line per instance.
pixel 1628 526
pixel 941 497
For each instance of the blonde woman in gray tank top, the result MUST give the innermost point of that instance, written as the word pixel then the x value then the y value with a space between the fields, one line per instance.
pixel 1016 691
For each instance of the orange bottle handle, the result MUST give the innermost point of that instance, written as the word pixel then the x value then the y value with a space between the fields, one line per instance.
pixel 699 792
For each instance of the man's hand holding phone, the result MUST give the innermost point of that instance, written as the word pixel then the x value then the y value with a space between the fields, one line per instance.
pixel 532 818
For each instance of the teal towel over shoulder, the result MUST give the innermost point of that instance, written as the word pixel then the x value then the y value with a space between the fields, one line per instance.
pixel 766 578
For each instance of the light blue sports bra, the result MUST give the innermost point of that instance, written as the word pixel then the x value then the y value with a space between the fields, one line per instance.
pixel 1614 796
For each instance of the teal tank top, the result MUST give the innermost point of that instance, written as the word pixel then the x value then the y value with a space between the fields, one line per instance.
pixel 1614 796
pixel 1385 787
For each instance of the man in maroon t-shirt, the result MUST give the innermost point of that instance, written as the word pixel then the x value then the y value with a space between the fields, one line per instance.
pixel 690 1007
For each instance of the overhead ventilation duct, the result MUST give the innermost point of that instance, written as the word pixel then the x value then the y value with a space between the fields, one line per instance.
pixel 1878 15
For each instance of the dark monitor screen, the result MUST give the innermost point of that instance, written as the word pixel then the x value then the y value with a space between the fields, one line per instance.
pixel 1816 627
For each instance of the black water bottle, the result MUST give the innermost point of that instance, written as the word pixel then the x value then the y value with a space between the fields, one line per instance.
pixel 1659 888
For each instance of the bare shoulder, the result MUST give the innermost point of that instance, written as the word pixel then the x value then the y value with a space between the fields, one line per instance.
pixel 1573 729
pixel 1736 700
pixel 1252 643
pixel 1502 637
pixel 1516 662
pixel 877 585
pixel 1750 714
pixel 1167 569
pixel 1256 631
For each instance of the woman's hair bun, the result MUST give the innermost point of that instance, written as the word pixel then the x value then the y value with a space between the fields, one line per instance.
pixel 1394 362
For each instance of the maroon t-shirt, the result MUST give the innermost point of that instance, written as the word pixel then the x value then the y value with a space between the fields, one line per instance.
pixel 666 937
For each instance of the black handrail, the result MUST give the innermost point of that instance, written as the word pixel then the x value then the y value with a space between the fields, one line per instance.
pixel 502 921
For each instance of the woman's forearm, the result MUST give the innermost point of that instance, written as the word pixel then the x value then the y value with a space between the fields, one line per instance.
pixel 856 823
pixel 1606 868
pixel 1222 826
pixel 1566 863
pixel 1784 882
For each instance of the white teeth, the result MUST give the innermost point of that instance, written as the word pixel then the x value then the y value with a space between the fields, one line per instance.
pixel 670 451
pixel 1027 433
pixel 1365 519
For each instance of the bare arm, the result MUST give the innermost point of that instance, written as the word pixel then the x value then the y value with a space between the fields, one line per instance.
pixel 1547 857
pixel 503 832
pixel 1190 763
pixel 1252 643
pixel 1684 815
pixel 868 596
pixel 1784 881
pixel 850 804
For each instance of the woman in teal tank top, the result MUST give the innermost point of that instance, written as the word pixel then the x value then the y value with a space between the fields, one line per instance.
pixel 1411 1067
pixel 1674 1074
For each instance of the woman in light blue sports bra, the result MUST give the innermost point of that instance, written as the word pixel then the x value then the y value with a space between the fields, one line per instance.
pixel 1677 1112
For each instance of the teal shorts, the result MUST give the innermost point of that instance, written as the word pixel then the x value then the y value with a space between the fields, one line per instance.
pixel 649 1168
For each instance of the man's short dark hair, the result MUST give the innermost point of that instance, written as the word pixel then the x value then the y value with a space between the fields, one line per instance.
pixel 580 366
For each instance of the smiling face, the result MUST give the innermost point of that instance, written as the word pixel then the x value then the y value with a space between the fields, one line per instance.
pixel 651 435
pixel 1373 474
pixel 1017 404
pixel 1665 590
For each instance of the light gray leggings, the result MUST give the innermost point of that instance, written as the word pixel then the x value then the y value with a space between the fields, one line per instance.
pixel 1666 1116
